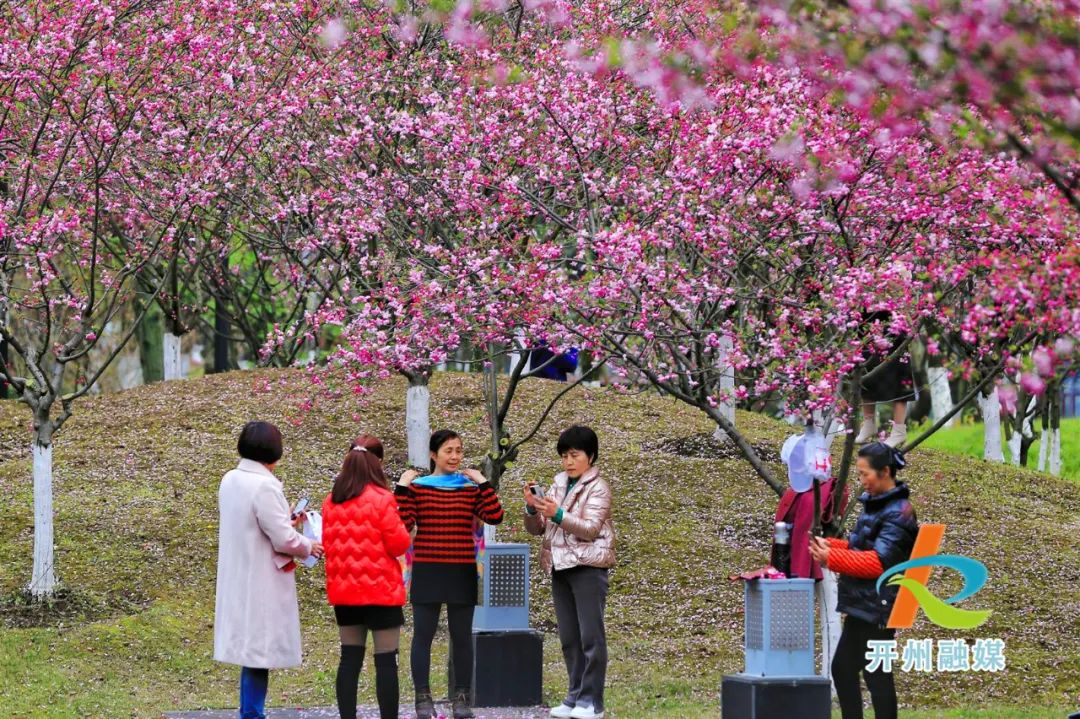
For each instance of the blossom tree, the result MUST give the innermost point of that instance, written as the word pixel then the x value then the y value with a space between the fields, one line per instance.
pixel 766 226
pixel 113 152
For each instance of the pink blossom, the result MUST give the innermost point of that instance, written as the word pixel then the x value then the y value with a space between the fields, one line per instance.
pixel 1033 384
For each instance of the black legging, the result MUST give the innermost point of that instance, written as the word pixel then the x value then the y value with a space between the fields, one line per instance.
pixel 425 620
pixel 850 660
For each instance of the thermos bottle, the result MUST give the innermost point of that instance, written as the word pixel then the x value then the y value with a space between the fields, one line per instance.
pixel 781 549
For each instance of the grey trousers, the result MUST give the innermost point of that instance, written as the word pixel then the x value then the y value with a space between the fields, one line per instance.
pixel 579 595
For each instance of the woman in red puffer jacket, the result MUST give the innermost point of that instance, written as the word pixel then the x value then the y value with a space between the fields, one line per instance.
pixel 362 537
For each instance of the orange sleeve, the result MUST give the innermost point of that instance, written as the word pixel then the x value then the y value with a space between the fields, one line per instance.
pixel 836 543
pixel 864 565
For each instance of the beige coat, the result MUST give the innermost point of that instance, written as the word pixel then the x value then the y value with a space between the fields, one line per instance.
pixel 586 536
pixel 256 618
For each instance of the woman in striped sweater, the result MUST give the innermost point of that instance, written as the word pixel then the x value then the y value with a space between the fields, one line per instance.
pixel 442 507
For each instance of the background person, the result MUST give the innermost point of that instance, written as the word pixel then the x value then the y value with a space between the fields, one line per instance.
pixel 884 536
pixel 893 385
pixel 364 535
pixel 443 507
pixel 574 517
pixel 256 618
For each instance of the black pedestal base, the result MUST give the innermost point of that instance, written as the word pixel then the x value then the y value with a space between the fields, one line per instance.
pixel 508 669
pixel 748 697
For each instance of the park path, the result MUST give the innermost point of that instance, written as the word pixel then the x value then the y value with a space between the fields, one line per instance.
pixel 367 712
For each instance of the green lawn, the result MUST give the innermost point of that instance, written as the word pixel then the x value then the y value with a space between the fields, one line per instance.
pixel 967 439
pixel 135 498
pixel 1000 712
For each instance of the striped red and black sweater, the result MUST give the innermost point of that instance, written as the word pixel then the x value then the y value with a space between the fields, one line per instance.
pixel 444 519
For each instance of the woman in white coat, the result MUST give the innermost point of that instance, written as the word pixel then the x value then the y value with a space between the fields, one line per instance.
pixel 256 618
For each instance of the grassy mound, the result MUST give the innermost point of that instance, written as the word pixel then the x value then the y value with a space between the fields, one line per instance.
pixel 136 476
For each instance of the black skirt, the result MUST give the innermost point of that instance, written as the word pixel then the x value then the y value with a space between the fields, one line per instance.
pixel 892 384
pixel 369 615
pixel 438 583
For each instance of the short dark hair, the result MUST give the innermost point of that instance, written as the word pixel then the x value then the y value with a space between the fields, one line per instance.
pixel 581 438
pixel 362 466
pixel 439 439
pixel 881 456
pixel 260 442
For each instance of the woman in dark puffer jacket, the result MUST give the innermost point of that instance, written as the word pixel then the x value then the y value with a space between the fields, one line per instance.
pixel 362 536
pixel 884 536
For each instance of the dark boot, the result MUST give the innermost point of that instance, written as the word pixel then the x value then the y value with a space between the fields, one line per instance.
pixel 462 705
pixel 425 708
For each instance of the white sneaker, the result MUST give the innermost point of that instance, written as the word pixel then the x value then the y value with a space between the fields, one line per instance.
pixel 898 435
pixel 585 713
pixel 563 711
pixel 867 432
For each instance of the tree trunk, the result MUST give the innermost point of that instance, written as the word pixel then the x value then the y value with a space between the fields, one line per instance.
pixel 43 579
pixel 1015 441
pixel 5 391
pixel 941 400
pixel 990 408
pixel 1044 444
pixel 417 418
pixel 222 327
pixel 727 385
pixel 172 362
pixel 519 353
pixel 1055 428
pixel 150 334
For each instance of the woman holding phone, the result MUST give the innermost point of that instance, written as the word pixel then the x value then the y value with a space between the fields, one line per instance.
pixel 442 507
pixel 884 536
pixel 574 517
pixel 364 535
pixel 256 617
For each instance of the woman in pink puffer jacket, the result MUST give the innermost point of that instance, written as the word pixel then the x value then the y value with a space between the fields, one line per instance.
pixel 574 517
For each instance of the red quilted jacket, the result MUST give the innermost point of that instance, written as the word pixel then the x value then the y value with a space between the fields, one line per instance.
pixel 362 539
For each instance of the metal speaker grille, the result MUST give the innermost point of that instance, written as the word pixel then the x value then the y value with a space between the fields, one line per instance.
pixel 789 627
pixel 507 581
pixel 755 620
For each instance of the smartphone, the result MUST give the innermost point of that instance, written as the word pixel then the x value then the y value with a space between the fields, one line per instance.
pixel 537 491
pixel 301 505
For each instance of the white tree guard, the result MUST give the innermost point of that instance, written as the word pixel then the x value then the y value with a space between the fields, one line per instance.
pixel 727 385
pixel 1044 447
pixel 941 400
pixel 418 424
pixel 1055 452
pixel 43 579
pixel 1014 444
pixel 990 408
pixel 173 368
pixel 519 352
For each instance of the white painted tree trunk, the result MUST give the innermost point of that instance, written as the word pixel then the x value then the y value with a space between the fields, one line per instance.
pixel 990 408
pixel 519 352
pixel 418 424
pixel 830 620
pixel 1014 448
pixel 1026 432
pixel 1055 452
pixel 940 394
pixel 1044 446
pixel 171 350
pixel 43 579
pixel 727 385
